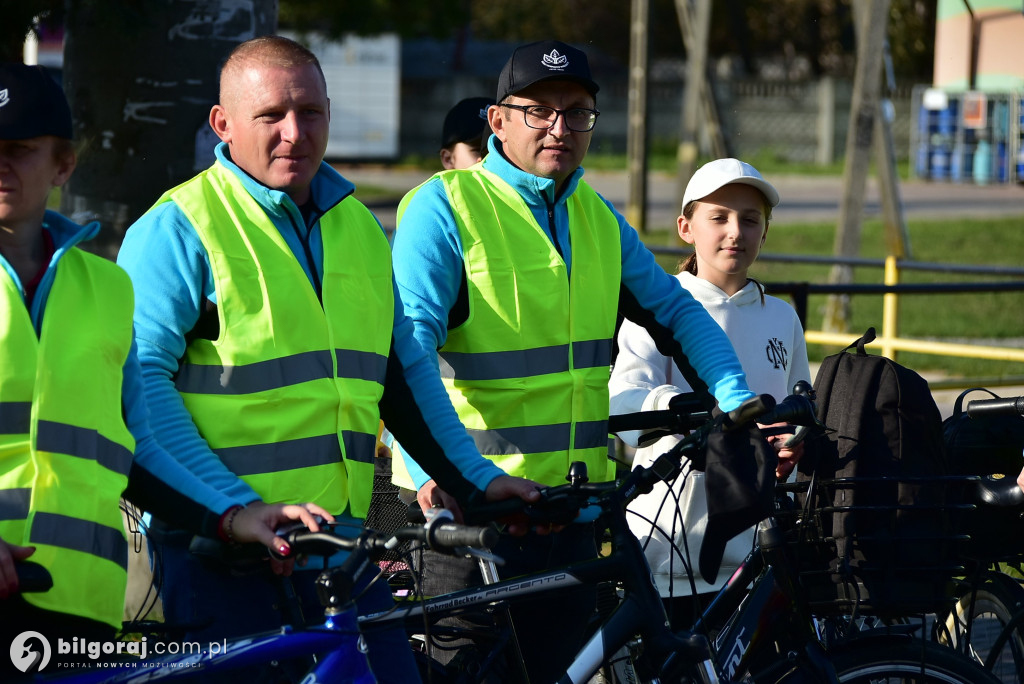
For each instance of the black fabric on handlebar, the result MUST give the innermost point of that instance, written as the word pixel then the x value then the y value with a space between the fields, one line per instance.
pixel 1008 406
pixel 32 577
pixel 642 420
pixel 739 480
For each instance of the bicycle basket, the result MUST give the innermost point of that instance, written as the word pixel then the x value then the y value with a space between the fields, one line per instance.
pixel 864 547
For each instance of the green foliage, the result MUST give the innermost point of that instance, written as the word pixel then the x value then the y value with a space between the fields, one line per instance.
pixel 820 32
pixel 407 18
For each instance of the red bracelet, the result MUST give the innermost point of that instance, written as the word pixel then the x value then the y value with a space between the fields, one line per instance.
pixel 226 530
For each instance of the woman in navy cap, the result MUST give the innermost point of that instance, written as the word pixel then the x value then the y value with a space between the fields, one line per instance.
pixel 74 433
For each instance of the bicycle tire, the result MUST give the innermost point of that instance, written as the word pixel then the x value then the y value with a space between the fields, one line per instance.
pixel 990 609
pixel 908 661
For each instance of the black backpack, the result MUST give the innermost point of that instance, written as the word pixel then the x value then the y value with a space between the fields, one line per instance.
pixel 984 445
pixel 988 445
pixel 875 482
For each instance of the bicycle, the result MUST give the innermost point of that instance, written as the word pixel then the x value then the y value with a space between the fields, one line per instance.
pixel 334 648
pixel 731 643
pixel 987 620
pixel 764 634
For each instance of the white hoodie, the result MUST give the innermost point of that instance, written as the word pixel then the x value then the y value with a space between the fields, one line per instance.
pixel 769 342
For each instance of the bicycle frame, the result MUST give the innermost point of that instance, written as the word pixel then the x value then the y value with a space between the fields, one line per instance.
pixel 631 617
pixel 343 662
pixel 745 617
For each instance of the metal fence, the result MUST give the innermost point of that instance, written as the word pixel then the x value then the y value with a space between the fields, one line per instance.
pixel 889 341
pixel 796 121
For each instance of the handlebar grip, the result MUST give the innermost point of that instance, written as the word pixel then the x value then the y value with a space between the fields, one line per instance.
pixel 323 543
pixel 33 577
pixel 748 412
pixel 450 535
pixel 493 510
pixel 1009 406
pixel 794 409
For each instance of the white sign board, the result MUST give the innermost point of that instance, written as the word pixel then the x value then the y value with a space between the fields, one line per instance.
pixel 363 81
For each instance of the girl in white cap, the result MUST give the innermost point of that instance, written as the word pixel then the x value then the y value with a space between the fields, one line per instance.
pixel 725 215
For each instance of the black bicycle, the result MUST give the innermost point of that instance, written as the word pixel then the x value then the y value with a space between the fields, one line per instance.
pixel 758 629
pixel 987 619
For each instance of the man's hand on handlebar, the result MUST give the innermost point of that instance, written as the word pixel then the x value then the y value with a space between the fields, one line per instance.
pixel 500 488
pixel 431 496
pixel 257 522
pixel 9 555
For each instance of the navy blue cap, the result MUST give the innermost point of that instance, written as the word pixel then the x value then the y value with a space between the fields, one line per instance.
pixel 31 103
pixel 466 121
pixel 542 61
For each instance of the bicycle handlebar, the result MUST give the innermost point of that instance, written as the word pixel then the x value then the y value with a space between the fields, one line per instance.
pixel 561 504
pixel 32 577
pixel 1009 406
pixel 439 534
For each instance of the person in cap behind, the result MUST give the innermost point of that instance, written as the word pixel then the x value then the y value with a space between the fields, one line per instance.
pixel 465 132
pixel 74 432
pixel 726 211
pixel 515 270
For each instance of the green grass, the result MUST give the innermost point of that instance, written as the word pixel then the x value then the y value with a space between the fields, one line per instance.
pixel 662 157
pixel 990 318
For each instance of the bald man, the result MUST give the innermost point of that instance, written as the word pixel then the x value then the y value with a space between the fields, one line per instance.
pixel 272 342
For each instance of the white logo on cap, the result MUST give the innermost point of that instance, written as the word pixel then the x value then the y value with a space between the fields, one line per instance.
pixel 555 61
pixel 4 98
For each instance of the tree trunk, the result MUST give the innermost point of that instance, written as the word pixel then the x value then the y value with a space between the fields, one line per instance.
pixel 141 78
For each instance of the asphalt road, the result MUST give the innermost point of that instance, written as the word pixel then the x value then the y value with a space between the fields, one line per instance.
pixel 805 199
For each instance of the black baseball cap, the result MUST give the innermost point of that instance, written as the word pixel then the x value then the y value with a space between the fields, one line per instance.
pixel 542 61
pixel 466 121
pixel 31 103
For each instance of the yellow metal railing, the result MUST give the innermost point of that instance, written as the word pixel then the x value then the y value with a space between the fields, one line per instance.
pixel 889 342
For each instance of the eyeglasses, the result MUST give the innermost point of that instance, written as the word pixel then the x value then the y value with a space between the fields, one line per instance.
pixel 577 119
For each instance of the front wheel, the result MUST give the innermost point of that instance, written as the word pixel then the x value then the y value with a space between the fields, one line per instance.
pixel 907 661
pixel 984 618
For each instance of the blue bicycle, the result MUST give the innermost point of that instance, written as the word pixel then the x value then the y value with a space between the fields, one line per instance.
pixel 335 647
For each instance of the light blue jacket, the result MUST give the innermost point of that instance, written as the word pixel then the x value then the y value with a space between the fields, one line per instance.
pixel 171 273
pixel 429 270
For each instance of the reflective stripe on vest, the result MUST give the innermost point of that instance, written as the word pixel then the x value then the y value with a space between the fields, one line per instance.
pixel 528 371
pixel 65 447
pixel 287 395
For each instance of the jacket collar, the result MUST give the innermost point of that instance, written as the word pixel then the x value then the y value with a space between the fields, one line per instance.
pixel 328 188
pixel 536 190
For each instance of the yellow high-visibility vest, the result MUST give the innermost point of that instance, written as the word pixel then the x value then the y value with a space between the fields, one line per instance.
pixel 287 394
pixel 528 370
pixel 65 450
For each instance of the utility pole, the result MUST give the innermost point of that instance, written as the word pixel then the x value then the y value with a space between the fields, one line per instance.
pixel 636 140
pixel 698 22
pixel 864 108
pixel 897 237
pixel 141 78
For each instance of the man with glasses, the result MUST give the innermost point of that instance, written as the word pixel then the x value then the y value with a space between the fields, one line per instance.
pixel 515 270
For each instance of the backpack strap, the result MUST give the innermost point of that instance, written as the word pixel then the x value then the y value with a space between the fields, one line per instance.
pixel 958 405
pixel 863 341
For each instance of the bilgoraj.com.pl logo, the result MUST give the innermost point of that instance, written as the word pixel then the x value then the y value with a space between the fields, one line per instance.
pixel 30 652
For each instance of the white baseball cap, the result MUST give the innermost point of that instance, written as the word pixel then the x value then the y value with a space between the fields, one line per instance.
pixel 721 172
